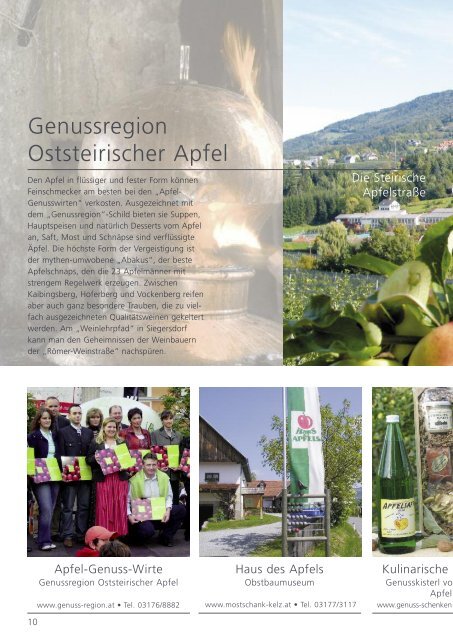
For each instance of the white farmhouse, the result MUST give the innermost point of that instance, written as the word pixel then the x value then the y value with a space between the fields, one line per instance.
pixel 370 156
pixel 350 159
pixel 388 204
pixel 224 472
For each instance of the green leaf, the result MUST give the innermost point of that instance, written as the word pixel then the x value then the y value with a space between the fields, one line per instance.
pixel 436 249
pixel 429 521
pixel 320 312
pixel 366 353
pixel 372 263
pixel 377 313
pixel 345 336
pixel 414 322
pixel 442 296
pixel 334 333
pixel 411 279
pixel 371 330
pixel 303 344
pixel 449 292
pixel 292 327
pixel 324 360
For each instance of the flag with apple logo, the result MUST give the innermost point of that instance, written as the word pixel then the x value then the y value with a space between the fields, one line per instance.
pixel 305 441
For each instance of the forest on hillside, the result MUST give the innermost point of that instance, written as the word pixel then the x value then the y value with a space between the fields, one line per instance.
pixel 428 118
pixel 316 197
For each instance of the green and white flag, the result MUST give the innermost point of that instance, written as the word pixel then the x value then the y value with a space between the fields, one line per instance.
pixel 305 441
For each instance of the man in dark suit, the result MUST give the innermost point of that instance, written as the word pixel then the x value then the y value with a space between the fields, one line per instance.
pixel 166 436
pixel 116 413
pixel 74 440
pixel 52 404
pixel 58 421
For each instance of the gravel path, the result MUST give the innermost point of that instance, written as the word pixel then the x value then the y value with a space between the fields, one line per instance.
pixel 237 542
pixel 357 524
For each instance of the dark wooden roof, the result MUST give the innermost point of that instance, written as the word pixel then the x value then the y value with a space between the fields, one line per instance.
pixel 215 448
pixel 217 486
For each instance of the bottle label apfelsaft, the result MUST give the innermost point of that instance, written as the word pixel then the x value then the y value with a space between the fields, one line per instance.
pixel 398 518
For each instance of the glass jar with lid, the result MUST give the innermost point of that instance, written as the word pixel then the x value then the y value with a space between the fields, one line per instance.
pixel 439 416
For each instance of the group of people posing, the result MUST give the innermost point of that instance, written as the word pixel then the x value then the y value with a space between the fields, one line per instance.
pixel 106 500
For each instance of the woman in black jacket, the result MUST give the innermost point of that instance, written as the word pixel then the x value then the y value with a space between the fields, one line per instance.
pixel 42 440
pixel 185 444
pixel 93 420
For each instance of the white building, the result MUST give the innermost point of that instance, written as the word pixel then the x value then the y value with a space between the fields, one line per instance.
pixel 436 215
pixel 313 162
pixel 224 471
pixel 369 156
pixel 272 497
pixel 351 159
pixel 389 210
pixel 388 204
pixel 294 162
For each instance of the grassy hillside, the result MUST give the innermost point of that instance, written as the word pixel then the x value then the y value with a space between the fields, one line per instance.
pixel 427 118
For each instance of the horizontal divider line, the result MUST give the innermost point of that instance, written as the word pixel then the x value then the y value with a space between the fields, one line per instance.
pixel 208 169
pixel 104 613
pixel 281 613
pixel 153 169
pixel 392 612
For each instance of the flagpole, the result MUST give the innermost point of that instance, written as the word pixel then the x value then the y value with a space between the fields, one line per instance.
pixel 284 486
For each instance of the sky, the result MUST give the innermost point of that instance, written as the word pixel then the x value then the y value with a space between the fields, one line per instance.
pixel 243 415
pixel 345 58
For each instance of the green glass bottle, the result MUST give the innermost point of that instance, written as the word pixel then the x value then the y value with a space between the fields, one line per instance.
pixel 395 494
